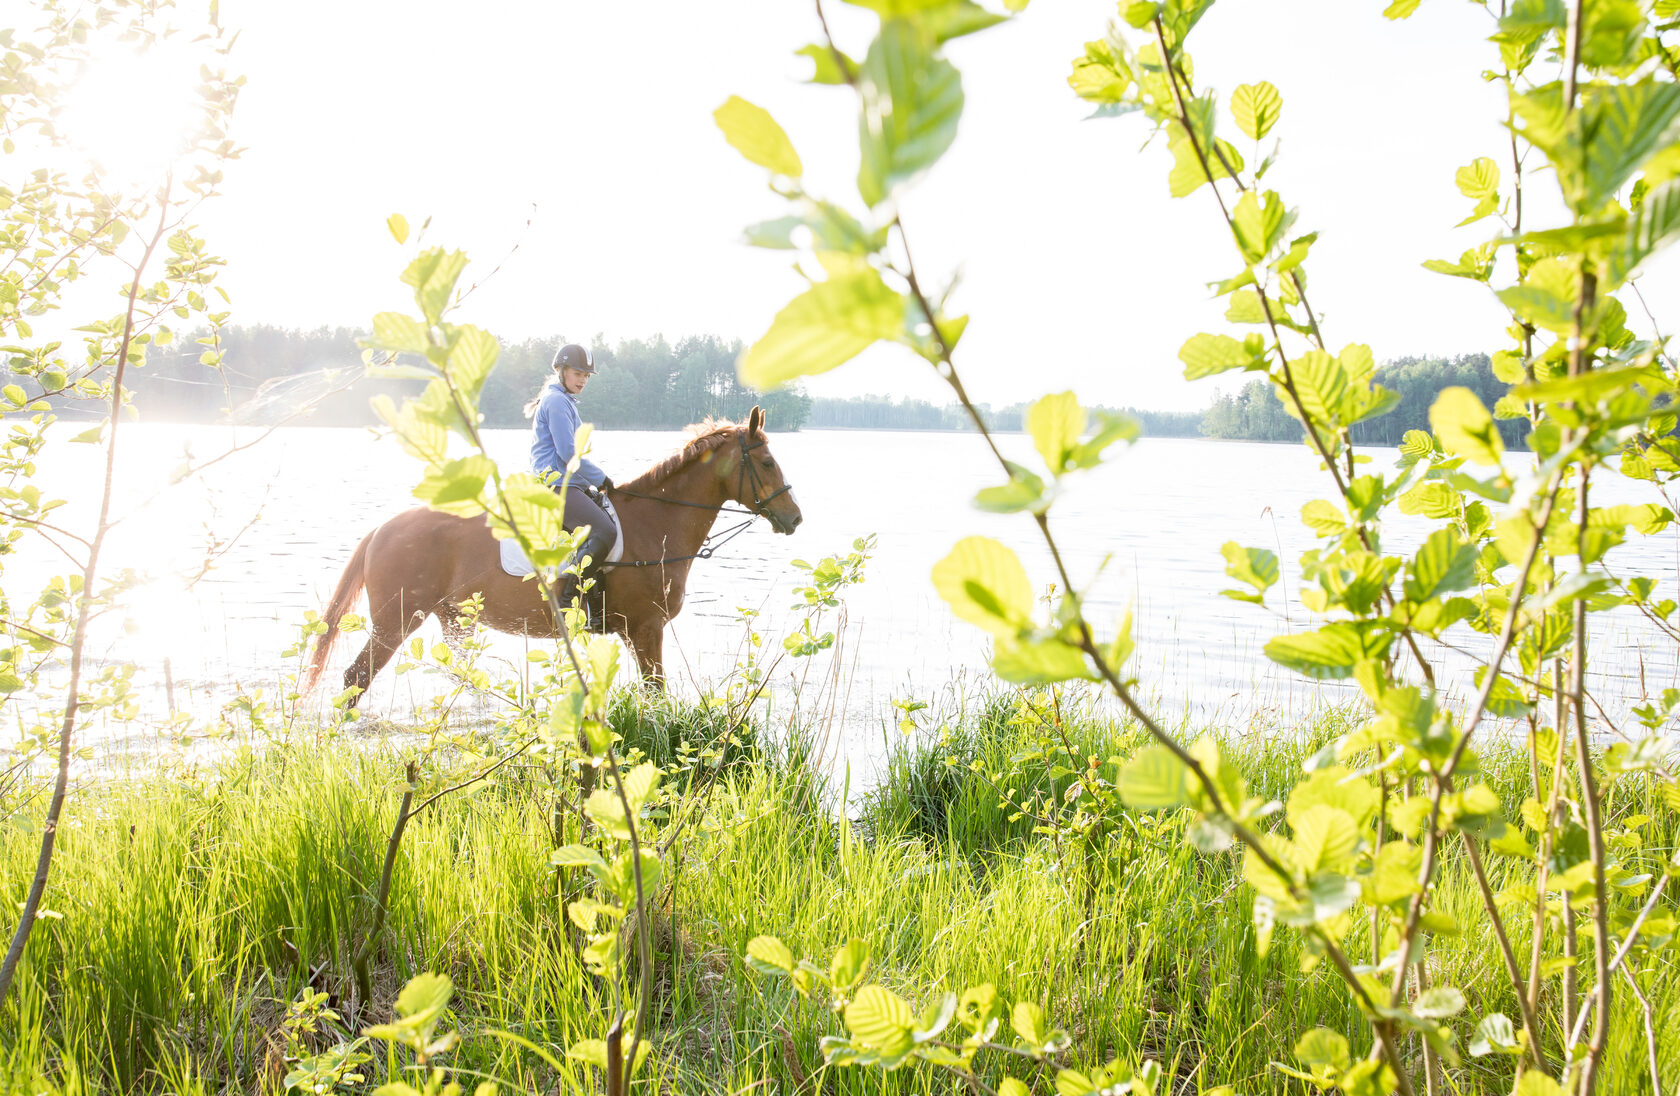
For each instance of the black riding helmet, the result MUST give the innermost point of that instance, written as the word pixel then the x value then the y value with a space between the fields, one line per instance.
pixel 573 356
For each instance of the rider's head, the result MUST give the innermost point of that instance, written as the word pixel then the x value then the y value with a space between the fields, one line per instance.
pixel 575 366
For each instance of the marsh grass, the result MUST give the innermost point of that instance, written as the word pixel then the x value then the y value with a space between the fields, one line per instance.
pixel 192 910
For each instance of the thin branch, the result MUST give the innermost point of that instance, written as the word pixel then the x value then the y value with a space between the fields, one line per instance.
pixel 1530 1023
pixel 49 827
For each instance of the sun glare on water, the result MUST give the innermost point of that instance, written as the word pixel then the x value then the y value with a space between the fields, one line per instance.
pixel 130 112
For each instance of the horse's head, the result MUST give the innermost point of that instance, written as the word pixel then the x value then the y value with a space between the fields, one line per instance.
pixel 759 484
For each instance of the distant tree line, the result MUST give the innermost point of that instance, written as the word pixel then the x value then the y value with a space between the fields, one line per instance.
pixel 886 413
pixel 1253 413
pixel 1256 413
pixel 269 373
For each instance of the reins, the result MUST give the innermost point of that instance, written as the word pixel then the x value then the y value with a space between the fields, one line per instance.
pixel 713 541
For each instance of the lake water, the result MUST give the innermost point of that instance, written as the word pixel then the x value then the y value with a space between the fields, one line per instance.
pixel 1145 531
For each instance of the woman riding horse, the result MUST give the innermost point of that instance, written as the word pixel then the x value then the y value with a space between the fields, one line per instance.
pixel 554 426
pixel 425 562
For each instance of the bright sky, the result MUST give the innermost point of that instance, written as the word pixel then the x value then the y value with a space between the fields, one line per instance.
pixel 582 133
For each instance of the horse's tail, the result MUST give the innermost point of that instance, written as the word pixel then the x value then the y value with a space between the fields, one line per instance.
pixel 350 585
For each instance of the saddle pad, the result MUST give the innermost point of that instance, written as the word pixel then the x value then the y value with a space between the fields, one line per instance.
pixel 515 563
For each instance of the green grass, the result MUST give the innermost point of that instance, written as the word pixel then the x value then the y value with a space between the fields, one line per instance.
pixel 193 910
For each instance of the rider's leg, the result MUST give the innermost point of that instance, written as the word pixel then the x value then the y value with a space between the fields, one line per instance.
pixel 579 510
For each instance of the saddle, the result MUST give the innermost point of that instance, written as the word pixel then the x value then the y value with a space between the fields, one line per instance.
pixel 515 563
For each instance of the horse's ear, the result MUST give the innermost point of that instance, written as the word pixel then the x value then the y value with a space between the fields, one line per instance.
pixel 755 421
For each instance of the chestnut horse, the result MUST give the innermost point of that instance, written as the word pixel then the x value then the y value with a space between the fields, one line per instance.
pixel 425 563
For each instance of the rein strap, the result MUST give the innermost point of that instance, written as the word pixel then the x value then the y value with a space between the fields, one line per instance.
pixel 707 547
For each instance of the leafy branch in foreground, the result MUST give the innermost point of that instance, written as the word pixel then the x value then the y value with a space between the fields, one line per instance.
pixel 1367 827
pixel 57 229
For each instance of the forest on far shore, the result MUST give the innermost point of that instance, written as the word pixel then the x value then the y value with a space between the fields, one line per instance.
pixel 270 374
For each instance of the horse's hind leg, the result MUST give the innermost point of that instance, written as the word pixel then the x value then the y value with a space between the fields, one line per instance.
pixel 388 627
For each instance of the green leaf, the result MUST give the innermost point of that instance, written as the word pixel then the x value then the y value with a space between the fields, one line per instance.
pixel 1478 179
pixel 1056 422
pixel 1504 699
pixel 776 234
pixel 1647 518
pixel 399 333
pixel 1652 226
pixel 1039 661
pixel 419 1007
pixel 1258 223
pixel 823 327
pixel 640 784
pixel 1438 1003
pixel 1331 652
pixel 1401 9
pixel 1475 264
pixel 433 275
pixel 471 358
pixel 1154 779
pixel 1256 566
pixel 827 67
pixel 1546 298
pixel 398 224
pixel 1432 499
pixel 1187 173
pixel 753 133
pixel 1325 838
pixel 880 1019
pixel 1027 1021
pixel 957 18
pixel 1208 355
pixel 935 1018
pixel 1297 253
pixel 1495 1034
pixel 985 584
pixel 1535 1083
pixel 768 955
pixel 1324 518
pixel 1464 426
pixel 1111 427
pixel 1256 108
pixel 911 101
pixel 1024 491
pixel 457 487
pixel 1600 384
pixel 849 964
pixel 1322 383
pixel 577 856
pixel 1100 76
pixel 1442 565
pixel 1394 875
pixel 1627 123
pixel 1322 1047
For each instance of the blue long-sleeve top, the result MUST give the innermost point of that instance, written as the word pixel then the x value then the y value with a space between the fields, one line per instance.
pixel 552 434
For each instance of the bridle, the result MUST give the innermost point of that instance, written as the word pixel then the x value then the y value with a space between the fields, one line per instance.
pixel 748 474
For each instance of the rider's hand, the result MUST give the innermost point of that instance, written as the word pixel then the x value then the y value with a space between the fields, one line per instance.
pixel 606 484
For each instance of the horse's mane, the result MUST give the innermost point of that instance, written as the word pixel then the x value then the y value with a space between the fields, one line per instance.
pixel 701 438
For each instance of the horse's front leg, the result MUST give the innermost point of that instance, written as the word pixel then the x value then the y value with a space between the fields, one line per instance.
pixel 647 643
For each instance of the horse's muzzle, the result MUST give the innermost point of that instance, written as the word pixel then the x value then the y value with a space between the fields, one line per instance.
pixel 785 523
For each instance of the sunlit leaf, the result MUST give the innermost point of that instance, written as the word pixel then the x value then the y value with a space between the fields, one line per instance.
pixel 910 103
pixel 984 583
pixel 825 326
pixel 1465 428
pixel 753 133
pixel 1256 108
